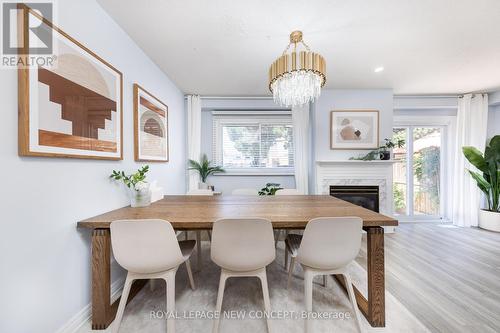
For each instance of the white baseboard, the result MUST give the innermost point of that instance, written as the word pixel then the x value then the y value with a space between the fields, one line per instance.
pixel 83 316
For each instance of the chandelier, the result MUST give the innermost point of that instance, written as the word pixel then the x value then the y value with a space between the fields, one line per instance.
pixel 296 78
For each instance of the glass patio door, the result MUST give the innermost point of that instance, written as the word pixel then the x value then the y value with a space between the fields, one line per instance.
pixel 417 181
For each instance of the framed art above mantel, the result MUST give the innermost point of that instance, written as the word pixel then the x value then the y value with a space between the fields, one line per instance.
pixel 354 129
pixel 71 107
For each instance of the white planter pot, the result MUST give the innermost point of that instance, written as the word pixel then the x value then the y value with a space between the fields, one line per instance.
pixel 203 186
pixel 489 220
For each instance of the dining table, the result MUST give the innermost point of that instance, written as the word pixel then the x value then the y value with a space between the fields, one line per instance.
pixel 199 213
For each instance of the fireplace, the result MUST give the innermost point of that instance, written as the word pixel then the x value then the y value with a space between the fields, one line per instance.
pixel 361 195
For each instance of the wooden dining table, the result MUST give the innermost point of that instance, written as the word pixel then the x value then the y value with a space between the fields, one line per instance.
pixel 199 213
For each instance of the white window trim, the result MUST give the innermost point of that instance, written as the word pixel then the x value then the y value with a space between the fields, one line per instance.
pixel 221 119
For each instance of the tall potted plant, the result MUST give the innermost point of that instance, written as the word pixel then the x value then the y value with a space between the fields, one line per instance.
pixel 205 169
pixel 488 181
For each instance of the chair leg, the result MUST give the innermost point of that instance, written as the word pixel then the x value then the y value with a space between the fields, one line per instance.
pixel 290 271
pixel 325 281
pixel 198 249
pixel 352 298
pixel 152 283
pixel 277 234
pixel 220 295
pixel 308 291
pixel 123 303
pixel 190 274
pixel 209 235
pixel 286 257
pixel 186 235
pixel 265 293
pixel 170 279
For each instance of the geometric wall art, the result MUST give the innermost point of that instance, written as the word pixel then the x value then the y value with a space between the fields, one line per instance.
pixel 150 127
pixel 354 129
pixel 72 107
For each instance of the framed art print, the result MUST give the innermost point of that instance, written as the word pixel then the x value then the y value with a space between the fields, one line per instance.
pixel 71 107
pixel 150 127
pixel 354 129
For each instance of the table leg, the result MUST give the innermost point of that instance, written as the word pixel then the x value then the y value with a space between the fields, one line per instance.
pixel 372 308
pixel 103 312
pixel 101 276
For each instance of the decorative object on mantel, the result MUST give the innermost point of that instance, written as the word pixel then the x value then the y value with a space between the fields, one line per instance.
pixel 71 106
pixel 354 129
pixel 383 152
pixel 138 188
pixel 150 127
pixel 488 182
pixel 296 77
pixel 205 169
pixel 270 189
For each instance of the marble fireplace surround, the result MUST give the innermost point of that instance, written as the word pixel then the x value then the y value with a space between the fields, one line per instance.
pixel 347 172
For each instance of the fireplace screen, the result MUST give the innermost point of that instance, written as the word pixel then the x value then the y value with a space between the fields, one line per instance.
pixel 364 196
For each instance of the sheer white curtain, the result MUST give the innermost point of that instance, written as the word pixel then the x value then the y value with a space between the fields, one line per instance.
pixel 194 136
pixel 472 120
pixel 300 121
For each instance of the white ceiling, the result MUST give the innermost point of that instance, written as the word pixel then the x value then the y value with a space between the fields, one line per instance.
pixel 224 47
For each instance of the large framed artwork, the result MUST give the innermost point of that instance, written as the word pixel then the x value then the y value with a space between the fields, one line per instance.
pixel 150 127
pixel 72 108
pixel 354 129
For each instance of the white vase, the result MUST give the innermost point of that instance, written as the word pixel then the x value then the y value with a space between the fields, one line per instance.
pixel 489 220
pixel 140 198
pixel 203 186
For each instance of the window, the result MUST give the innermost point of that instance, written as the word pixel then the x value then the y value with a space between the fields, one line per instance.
pixel 254 144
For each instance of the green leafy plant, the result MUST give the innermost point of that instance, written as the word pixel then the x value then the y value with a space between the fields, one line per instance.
pixel 392 143
pixel 135 180
pixel 488 179
pixel 270 189
pixel 204 168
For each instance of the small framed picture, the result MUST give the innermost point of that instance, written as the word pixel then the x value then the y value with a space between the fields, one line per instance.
pixel 354 129
pixel 150 127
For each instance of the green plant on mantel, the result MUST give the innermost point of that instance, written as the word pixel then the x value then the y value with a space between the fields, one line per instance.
pixel 375 154
pixel 488 179
pixel 204 168
pixel 270 189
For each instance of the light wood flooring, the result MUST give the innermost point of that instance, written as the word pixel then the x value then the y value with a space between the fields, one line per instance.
pixel 448 277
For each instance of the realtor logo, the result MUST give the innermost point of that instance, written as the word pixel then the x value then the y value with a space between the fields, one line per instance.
pixel 26 40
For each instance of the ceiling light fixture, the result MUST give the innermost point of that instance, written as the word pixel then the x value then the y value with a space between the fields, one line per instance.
pixel 296 78
pixel 379 69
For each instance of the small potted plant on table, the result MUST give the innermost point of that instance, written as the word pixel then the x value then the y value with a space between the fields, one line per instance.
pixel 138 187
pixel 488 181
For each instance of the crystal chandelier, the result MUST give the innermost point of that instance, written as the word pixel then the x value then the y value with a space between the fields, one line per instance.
pixel 296 78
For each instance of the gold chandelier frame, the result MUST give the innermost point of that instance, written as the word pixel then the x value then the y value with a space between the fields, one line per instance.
pixel 307 61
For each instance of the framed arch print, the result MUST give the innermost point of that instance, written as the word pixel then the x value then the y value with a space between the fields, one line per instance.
pixel 150 127
pixel 71 106
pixel 354 129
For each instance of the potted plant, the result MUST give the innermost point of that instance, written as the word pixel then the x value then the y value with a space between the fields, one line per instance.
pixel 138 187
pixel 270 189
pixel 385 150
pixel 205 169
pixel 488 181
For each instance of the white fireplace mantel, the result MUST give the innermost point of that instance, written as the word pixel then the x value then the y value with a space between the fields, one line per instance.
pixel 357 172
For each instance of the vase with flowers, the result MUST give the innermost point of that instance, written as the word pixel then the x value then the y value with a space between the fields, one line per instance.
pixel 137 186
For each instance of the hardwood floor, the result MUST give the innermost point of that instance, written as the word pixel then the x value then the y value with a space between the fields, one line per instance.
pixel 448 277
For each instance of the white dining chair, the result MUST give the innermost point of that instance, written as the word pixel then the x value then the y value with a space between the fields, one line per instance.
pixel 328 245
pixel 149 249
pixel 284 191
pixel 242 247
pixel 198 232
pixel 245 191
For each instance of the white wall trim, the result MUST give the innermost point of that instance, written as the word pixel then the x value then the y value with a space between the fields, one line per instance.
pixel 84 315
